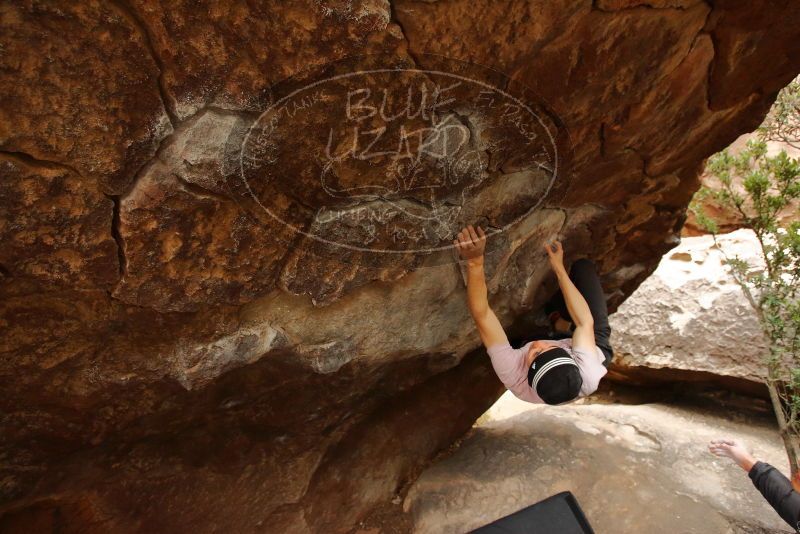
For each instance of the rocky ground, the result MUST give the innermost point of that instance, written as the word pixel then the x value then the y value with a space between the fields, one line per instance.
pixel 633 468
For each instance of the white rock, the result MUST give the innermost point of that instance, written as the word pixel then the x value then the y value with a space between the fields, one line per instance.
pixel 690 314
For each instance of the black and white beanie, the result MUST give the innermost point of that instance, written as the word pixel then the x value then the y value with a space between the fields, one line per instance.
pixel 555 376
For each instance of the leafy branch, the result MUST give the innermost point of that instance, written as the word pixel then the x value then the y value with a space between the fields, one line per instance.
pixel 759 189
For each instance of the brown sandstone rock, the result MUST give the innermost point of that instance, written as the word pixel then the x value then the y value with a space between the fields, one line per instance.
pixel 228 54
pixel 726 218
pixel 56 227
pixel 167 344
pixel 79 88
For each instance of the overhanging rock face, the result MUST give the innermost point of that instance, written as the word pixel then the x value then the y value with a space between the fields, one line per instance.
pixel 217 318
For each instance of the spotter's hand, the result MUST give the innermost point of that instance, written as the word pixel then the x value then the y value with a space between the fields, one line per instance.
pixel 470 242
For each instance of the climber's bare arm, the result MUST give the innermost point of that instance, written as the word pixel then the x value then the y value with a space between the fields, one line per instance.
pixel 471 244
pixel 583 336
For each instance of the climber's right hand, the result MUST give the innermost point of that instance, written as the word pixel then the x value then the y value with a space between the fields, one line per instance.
pixel 555 252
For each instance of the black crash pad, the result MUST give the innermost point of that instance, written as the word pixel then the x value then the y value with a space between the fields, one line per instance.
pixel 559 514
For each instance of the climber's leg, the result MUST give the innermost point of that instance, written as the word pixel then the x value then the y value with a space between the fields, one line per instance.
pixel 584 275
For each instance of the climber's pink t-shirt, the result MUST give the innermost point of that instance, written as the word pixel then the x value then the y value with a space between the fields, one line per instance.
pixel 509 364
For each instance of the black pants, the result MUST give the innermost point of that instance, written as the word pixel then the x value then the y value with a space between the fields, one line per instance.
pixel 777 490
pixel 584 275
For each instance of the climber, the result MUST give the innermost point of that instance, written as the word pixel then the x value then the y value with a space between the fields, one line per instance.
pixel 779 492
pixel 544 371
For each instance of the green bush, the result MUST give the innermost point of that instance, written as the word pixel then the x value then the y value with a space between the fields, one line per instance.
pixel 759 189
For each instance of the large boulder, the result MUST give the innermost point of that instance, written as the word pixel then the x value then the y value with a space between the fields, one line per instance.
pixel 204 328
pixel 691 316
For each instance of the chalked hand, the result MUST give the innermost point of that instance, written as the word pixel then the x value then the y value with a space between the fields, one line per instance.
pixel 556 254
pixel 470 242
